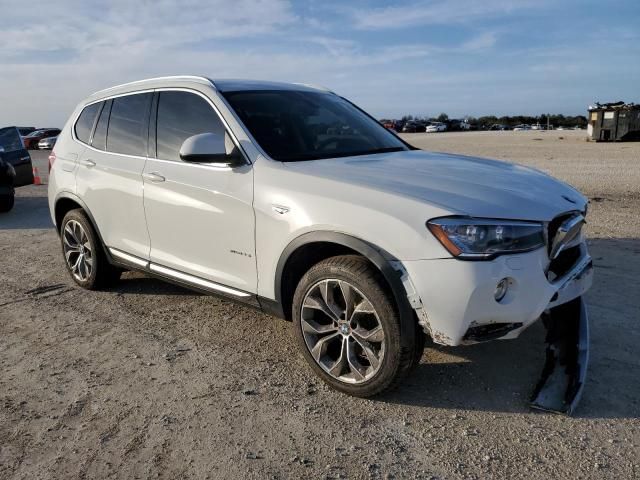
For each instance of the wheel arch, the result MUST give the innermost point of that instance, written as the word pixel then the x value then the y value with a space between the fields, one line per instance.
pixel 67 201
pixel 324 244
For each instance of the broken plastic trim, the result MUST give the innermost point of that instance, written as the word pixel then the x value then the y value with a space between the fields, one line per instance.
pixel 563 376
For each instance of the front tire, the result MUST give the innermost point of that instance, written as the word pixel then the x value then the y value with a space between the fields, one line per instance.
pixel 348 328
pixel 83 253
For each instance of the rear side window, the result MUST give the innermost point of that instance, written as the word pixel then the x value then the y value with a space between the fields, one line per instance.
pixel 128 131
pixel 100 135
pixel 10 139
pixel 180 116
pixel 84 125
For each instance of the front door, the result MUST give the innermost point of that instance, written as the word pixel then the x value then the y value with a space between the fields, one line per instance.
pixel 199 216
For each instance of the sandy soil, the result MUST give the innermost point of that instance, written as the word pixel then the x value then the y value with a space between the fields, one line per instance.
pixel 148 380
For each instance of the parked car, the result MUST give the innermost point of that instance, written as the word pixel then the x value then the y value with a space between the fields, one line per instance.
pixel 235 188
pixel 414 127
pixel 7 192
pixel 497 126
pixel 24 131
pixel 436 127
pixel 521 127
pixel 47 143
pixel 31 140
pixel 13 152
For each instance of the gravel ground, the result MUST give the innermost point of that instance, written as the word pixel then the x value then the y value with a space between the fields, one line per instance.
pixel 150 380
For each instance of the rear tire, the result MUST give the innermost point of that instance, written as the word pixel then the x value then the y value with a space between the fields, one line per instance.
pixel 7 202
pixel 348 327
pixel 84 253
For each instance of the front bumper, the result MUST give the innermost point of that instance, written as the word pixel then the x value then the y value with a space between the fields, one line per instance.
pixel 455 297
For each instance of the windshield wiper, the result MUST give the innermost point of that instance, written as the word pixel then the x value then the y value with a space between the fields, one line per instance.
pixel 357 153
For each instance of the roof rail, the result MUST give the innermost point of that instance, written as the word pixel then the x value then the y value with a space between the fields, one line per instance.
pixel 197 78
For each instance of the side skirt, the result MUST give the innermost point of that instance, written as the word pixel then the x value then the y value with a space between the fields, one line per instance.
pixel 131 262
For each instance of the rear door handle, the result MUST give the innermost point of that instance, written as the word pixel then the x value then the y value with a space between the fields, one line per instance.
pixel 153 177
pixel 88 163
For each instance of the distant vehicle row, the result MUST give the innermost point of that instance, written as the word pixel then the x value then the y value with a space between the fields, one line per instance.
pixel 41 138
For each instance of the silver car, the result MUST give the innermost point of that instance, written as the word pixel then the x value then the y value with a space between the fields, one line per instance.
pixel 47 143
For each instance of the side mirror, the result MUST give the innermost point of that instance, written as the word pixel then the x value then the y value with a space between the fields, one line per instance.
pixel 211 148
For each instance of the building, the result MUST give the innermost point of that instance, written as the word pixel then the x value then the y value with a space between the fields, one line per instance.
pixel 617 121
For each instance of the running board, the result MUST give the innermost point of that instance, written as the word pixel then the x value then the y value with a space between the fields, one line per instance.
pixel 563 377
pixel 181 277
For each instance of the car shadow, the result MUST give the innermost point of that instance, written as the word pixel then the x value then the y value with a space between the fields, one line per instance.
pixel 134 283
pixel 28 213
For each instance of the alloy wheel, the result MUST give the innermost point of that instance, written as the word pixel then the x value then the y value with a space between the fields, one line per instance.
pixel 77 250
pixel 342 331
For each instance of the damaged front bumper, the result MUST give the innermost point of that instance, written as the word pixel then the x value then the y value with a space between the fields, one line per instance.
pixel 457 307
pixel 565 370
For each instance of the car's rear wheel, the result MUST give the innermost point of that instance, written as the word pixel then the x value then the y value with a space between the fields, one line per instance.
pixel 83 253
pixel 348 328
pixel 7 201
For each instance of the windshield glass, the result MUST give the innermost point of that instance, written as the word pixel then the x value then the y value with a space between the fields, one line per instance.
pixel 298 125
pixel 10 139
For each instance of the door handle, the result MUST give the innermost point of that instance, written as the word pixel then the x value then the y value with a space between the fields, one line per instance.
pixel 153 177
pixel 88 163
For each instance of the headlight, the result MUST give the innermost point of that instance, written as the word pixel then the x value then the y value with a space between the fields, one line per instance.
pixel 481 239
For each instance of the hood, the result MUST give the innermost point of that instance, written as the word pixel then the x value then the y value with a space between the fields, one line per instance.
pixel 464 185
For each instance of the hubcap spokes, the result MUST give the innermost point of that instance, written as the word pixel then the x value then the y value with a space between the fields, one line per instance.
pixel 77 250
pixel 342 331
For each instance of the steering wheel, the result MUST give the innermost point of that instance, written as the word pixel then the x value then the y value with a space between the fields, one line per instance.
pixel 341 143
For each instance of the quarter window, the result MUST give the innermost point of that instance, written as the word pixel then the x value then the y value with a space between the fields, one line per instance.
pixel 84 125
pixel 180 116
pixel 127 132
pixel 100 135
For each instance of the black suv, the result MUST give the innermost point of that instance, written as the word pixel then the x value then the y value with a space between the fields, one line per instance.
pixel 12 151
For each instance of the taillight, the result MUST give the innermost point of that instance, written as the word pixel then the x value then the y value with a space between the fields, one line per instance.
pixel 52 158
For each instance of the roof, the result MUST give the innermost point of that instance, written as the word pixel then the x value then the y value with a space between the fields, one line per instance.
pixel 234 85
pixel 222 85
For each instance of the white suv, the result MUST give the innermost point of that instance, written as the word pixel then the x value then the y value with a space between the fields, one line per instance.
pixel 291 199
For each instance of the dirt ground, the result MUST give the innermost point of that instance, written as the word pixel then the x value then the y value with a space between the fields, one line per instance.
pixel 147 380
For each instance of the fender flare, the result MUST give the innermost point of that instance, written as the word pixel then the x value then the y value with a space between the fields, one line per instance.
pixel 371 253
pixel 72 196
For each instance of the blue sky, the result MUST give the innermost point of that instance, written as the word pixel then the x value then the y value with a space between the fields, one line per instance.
pixel 462 57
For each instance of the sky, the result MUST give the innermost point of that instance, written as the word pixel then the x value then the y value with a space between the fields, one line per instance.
pixel 462 57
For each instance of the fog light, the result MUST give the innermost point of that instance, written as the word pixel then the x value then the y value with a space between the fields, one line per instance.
pixel 501 289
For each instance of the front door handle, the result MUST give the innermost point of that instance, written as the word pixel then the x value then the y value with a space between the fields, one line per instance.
pixel 153 177
pixel 88 163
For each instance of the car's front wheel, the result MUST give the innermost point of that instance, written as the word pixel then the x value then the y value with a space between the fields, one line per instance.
pixel 83 253
pixel 348 328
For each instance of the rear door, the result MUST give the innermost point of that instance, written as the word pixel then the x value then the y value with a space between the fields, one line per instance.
pixel 109 177
pixel 13 152
pixel 200 216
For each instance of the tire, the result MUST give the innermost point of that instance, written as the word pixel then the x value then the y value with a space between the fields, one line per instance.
pixel 78 238
pixel 7 202
pixel 348 350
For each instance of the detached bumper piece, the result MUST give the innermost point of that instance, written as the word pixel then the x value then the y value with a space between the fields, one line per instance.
pixel 565 370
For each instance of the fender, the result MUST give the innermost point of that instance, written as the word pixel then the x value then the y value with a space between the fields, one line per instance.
pixel 79 201
pixel 370 252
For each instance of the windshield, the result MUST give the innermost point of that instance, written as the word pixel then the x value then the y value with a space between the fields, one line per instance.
pixel 296 125
pixel 35 134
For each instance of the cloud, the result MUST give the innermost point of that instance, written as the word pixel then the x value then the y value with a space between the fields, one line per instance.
pixel 437 12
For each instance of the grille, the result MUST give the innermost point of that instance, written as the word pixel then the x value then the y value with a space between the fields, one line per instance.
pixel 564 262
pixel 568 257
pixel 554 225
